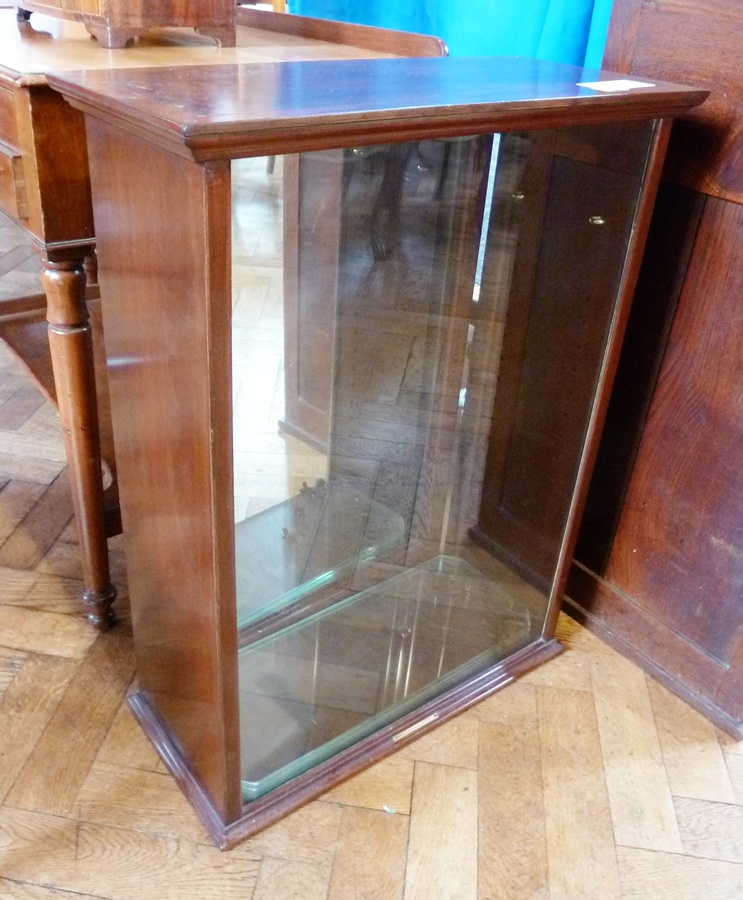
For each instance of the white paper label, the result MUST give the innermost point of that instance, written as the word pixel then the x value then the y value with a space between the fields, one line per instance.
pixel 619 84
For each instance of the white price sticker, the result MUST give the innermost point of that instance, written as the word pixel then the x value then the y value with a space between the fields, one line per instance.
pixel 618 84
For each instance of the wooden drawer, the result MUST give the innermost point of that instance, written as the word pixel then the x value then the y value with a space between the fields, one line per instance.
pixel 8 123
pixel 12 190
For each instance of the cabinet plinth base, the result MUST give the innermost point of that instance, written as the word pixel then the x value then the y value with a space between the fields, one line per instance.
pixel 266 810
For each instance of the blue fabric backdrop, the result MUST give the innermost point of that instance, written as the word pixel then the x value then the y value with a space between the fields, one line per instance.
pixel 571 31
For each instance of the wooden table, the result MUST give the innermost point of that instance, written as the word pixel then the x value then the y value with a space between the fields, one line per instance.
pixel 44 187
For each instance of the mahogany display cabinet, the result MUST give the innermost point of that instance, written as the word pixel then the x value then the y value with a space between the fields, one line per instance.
pixel 322 372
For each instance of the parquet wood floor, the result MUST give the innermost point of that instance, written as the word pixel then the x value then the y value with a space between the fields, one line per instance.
pixel 584 781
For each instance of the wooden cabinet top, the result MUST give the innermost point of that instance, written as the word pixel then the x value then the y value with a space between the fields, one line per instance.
pixel 234 110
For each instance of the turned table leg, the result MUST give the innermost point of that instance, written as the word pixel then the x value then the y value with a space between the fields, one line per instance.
pixel 71 347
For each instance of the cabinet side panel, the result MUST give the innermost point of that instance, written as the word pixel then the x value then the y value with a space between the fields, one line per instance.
pixel 166 346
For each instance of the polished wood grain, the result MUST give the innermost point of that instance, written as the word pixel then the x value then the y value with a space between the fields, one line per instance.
pixel 191 691
pixel 228 111
pixel 691 393
pixel 686 41
pixel 620 41
pixel 48 44
pixel 56 210
pixel 692 643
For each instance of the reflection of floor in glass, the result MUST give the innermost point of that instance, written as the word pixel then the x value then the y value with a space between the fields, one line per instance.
pixel 320 685
pixel 269 466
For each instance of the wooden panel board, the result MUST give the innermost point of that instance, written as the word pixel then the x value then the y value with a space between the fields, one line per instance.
pixel 677 549
pixel 543 399
pixel 695 43
pixel 171 452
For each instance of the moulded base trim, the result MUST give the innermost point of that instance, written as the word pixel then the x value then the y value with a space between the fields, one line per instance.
pixel 266 810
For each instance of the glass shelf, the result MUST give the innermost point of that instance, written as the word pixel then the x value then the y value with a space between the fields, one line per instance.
pixel 307 542
pixel 321 685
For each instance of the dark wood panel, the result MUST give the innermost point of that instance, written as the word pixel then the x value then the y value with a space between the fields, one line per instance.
pixel 679 545
pixel 695 43
pixel 667 656
pixel 635 627
pixel 670 243
pixel 661 547
pixel 623 28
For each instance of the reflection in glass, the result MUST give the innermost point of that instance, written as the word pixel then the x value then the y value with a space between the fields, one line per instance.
pixel 416 345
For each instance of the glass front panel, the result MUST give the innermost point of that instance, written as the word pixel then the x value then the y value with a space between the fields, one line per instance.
pixel 418 330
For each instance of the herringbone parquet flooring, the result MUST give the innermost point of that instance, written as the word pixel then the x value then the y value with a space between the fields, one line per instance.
pixel 584 781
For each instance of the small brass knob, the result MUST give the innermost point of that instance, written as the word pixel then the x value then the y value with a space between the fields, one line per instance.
pixel 597 220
